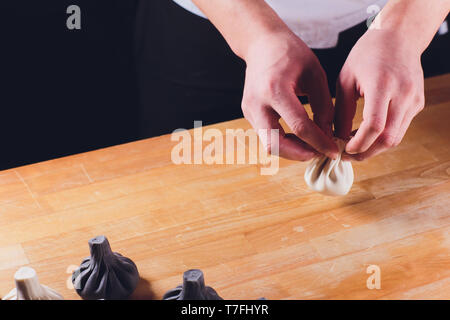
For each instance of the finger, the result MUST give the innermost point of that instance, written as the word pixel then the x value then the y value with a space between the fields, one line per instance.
pixel 301 151
pixel 388 138
pixel 374 121
pixel 289 146
pixel 409 116
pixel 321 104
pixel 347 157
pixel 346 97
pixel 288 106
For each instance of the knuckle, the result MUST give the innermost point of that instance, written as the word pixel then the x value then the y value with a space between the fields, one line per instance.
pixel 246 104
pixel 376 125
pixel 245 110
pixel 397 141
pixel 249 106
pixel 270 143
pixel 385 81
pixel 387 140
pixel 272 87
pixel 407 86
pixel 247 115
pixel 299 127
pixel 248 98
pixel 420 101
pixel 249 102
pixel 345 79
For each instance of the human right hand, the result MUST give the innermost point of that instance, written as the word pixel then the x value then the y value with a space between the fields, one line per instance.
pixel 384 69
pixel 281 67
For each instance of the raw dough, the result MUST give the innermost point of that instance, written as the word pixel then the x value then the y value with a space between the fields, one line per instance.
pixel 330 177
pixel 29 288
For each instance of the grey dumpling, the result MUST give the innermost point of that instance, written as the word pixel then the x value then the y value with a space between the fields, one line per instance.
pixel 193 288
pixel 105 274
pixel 29 288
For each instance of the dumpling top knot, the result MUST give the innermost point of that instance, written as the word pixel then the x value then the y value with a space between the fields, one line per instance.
pixel 29 288
pixel 328 176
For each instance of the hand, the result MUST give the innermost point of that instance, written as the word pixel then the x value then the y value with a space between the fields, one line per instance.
pixel 384 69
pixel 281 67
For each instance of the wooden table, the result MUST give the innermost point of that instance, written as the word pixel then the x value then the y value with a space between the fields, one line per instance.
pixel 252 235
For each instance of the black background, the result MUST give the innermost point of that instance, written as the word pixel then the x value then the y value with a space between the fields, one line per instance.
pixel 65 91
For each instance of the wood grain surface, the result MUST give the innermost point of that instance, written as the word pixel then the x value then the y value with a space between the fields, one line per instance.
pixel 253 235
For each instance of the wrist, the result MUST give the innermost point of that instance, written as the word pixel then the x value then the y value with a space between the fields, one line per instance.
pixel 395 41
pixel 412 24
pixel 256 43
pixel 259 41
pixel 402 35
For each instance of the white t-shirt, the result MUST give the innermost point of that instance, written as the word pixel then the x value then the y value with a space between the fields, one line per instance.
pixel 317 22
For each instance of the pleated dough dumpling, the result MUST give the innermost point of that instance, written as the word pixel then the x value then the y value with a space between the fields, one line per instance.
pixel 105 274
pixel 330 177
pixel 29 288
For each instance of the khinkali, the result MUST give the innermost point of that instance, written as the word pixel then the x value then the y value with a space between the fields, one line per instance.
pixel 193 288
pixel 330 177
pixel 105 274
pixel 29 288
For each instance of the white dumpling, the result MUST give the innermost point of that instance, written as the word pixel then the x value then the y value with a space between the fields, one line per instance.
pixel 29 288
pixel 330 177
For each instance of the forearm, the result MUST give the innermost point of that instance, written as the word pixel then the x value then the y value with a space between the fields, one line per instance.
pixel 414 21
pixel 242 22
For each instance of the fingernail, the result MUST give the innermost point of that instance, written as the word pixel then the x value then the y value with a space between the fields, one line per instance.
pixel 350 152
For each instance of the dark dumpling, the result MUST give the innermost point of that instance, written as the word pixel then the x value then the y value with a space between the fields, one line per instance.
pixel 105 274
pixel 193 288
